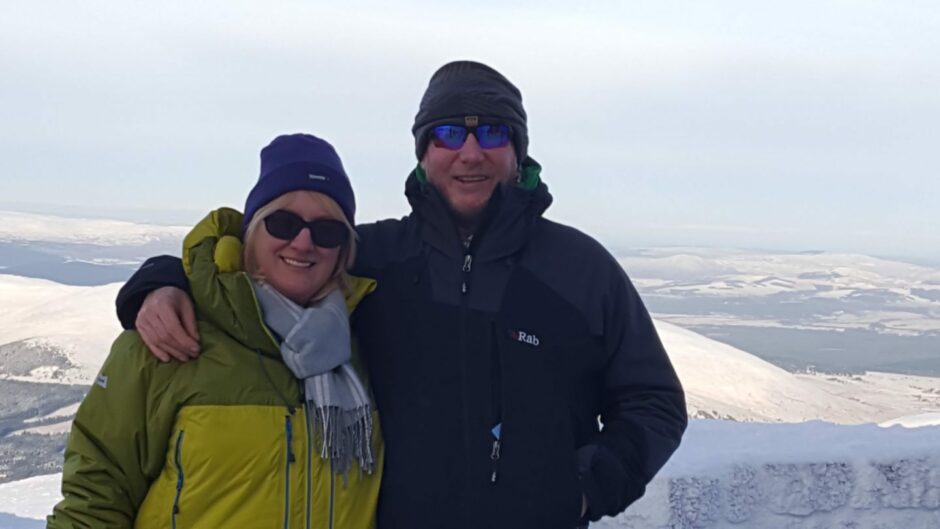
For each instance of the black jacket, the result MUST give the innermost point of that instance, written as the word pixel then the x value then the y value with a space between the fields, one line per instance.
pixel 534 327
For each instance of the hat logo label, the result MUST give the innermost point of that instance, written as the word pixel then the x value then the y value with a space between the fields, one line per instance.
pixel 471 121
pixel 316 177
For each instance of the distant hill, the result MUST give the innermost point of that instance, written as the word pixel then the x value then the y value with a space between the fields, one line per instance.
pixel 818 311
pixel 52 333
pixel 82 252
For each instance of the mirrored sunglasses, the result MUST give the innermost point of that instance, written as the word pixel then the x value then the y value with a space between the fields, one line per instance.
pixel 488 136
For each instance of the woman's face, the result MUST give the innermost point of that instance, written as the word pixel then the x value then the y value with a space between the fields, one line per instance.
pixel 297 268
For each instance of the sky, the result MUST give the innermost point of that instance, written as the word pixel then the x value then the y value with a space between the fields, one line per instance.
pixel 801 125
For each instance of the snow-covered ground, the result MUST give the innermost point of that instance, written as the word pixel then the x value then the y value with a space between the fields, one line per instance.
pixel 723 382
pixel 731 475
pixel 24 502
pixel 915 421
pixel 16 226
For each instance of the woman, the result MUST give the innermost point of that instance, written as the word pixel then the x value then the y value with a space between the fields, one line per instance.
pixel 272 426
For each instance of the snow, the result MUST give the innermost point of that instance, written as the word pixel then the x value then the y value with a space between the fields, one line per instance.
pixel 63 412
pixel 795 476
pixel 915 421
pixel 30 498
pixel 78 322
pixel 894 395
pixel 727 475
pixel 723 382
pixel 47 424
pixel 46 429
pixel 710 445
pixel 890 297
pixel 22 227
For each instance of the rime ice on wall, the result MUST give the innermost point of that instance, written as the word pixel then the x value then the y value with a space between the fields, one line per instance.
pixel 802 476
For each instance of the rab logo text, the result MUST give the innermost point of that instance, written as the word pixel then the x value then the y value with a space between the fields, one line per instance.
pixel 524 337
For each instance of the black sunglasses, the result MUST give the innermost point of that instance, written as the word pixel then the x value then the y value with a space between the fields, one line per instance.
pixel 325 233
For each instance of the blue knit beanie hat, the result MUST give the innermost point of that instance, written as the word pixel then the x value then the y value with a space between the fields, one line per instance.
pixel 300 162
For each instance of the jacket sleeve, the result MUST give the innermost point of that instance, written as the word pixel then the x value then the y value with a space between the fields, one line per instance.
pixel 643 411
pixel 118 442
pixel 156 272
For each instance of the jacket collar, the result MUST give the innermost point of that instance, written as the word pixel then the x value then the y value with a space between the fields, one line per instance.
pixel 507 221
pixel 222 291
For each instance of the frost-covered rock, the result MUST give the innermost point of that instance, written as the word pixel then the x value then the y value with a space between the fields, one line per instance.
pixel 795 476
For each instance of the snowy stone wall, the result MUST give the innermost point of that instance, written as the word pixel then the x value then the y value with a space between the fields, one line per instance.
pixel 873 484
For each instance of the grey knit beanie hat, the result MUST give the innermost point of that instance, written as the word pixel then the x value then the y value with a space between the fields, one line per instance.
pixel 462 89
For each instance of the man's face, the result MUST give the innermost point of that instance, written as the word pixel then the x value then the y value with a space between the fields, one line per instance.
pixel 466 177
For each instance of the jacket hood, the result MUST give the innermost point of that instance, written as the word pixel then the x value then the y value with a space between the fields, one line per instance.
pixel 510 213
pixel 222 291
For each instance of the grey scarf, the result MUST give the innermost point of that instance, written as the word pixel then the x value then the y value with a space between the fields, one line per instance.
pixel 316 346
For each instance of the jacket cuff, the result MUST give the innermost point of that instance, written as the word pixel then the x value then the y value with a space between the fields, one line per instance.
pixel 609 489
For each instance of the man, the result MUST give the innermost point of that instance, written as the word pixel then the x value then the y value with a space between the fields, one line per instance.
pixel 495 338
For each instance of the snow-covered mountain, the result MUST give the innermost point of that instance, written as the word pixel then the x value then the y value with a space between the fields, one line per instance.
pixel 51 332
pixel 58 333
pixel 32 227
pixel 838 313
pixel 835 291
pixel 83 252
pixel 723 382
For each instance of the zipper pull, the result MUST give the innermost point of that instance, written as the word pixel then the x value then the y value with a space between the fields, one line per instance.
pixel 494 453
pixel 494 457
pixel 467 260
pixel 290 439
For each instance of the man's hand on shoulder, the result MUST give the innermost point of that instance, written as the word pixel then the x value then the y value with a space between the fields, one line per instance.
pixel 167 325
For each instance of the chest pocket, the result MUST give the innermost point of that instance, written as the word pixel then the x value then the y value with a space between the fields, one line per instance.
pixel 546 397
pixel 552 367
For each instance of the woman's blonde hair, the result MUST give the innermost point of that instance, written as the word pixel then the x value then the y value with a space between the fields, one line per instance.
pixel 347 254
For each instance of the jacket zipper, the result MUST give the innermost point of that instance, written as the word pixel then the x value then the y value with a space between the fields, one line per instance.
pixel 494 452
pixel 178 461
pixel 332 491
pixel 497 385
pixel 289 427
pixel 496 430
pixel 465 270
pixel 467 262
pixel 309 461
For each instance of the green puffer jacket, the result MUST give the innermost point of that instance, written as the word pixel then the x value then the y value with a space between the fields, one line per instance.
pixel 223 441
